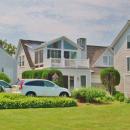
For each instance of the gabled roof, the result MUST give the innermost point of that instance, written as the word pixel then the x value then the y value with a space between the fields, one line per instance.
pixel 94 52
pixel 120 33
pixel 26 44
pixel 57 39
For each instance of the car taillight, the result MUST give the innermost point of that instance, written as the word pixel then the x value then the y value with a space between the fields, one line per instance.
pixel 21 84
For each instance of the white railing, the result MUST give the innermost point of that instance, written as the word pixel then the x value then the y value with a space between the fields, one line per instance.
pixel 57 62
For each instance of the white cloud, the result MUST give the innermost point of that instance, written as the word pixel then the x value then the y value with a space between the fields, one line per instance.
pixel 43 20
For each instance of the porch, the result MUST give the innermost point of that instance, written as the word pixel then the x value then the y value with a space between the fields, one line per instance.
pixel 58 62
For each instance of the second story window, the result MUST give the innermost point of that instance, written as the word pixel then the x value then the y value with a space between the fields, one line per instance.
pixel 70 54
pixel 128 42
pixel 38 56
pixel 21 61
pixel 128 63
pixel 108 60
pixel 53 53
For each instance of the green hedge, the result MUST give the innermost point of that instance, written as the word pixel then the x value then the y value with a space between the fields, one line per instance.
pixel 4 77
pixel 44 74
pixel 14 101
pixel 90 95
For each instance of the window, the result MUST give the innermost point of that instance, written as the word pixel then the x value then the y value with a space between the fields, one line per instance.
pixel 108 60
pixel 69 46
pixel 38 56
pixel 48 84
pixel 128 42
pixel 21 60
pixel 73 55
pixel 83 80
pixel 66 54
pixel 41 56
pixel 70 54
pixel 55 45
pixel 35 83
pixel 128 64
pixel 53 53
pixel 105 60
pixel 2 70
pixel 71 82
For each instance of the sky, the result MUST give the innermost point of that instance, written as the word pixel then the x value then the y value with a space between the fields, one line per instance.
pixel 97 20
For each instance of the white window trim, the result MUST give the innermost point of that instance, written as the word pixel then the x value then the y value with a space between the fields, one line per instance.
pixel 108 60
pixel 39 62
pixel 127 64
pixel 21 61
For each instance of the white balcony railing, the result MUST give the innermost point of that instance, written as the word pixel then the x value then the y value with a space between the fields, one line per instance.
pixel 57 62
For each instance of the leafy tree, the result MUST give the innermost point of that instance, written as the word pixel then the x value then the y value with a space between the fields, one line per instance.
pixel 8 47
pixel 110 78
pixel 4 77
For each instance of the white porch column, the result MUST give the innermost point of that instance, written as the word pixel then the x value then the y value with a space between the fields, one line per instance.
pixel 62 53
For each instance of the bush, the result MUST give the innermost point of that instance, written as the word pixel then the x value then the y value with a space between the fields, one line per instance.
pixel 119 96
pixel 14 101
pixel 4 77
pixel 110 78
pixel 29 74
pixel 89 95
pixel 44 74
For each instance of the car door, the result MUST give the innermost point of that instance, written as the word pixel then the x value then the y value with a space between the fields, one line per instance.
pixel 50 89
pixel 36 86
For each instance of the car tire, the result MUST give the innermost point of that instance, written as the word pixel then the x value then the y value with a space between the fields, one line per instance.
pixel 64 94
pixel 31 94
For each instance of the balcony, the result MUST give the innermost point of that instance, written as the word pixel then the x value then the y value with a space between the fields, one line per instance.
pixel 71 63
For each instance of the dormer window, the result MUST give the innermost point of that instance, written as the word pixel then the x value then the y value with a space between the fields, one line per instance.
pixel 128 42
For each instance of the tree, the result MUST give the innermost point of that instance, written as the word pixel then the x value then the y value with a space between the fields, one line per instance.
pixel 4 77
pixel 110 78
pixel 8 47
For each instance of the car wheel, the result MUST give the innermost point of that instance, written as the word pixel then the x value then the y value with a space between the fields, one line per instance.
pixel 31 94
pixel 64 94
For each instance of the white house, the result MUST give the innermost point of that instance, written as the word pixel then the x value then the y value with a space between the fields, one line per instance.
pixel 8 65
pixel 61 53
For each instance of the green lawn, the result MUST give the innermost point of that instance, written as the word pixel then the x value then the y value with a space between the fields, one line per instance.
pixel 89 117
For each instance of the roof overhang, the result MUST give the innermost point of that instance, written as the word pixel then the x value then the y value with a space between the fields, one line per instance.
pixel 120 34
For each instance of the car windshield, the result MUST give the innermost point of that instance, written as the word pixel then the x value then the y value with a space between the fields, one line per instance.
pixel 4 84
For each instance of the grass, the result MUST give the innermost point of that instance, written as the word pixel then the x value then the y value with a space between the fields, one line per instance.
pixel 87 117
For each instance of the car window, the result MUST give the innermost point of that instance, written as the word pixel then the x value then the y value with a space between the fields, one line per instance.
pixel 48 84
pixel 4 84
pixel 35 83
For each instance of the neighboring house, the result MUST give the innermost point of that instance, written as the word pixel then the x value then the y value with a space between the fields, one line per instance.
pixel 121 48
pixel 8 65
pixel 100 57
pixel 61 53
pixel 25 55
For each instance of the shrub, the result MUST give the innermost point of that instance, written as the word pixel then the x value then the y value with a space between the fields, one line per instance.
pixel 89 94
pixel 119 96
pixel 14 101
pixel 29 74
pixel 4 77
pixel 110 78
pixel 44 74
